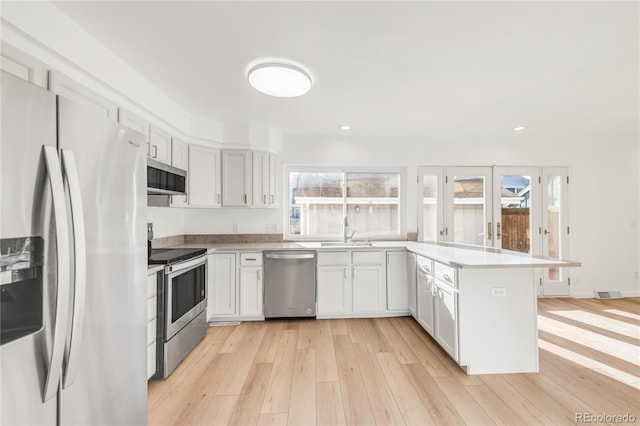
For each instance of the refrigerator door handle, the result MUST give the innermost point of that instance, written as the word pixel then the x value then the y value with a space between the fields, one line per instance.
pixel 80 268
pixel 61 315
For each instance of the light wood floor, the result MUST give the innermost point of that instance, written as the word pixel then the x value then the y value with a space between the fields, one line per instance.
pixel 389 371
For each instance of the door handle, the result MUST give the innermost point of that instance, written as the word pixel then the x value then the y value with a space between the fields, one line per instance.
pixel 218 198
pixel 54 174
pixel 489 231
pixel 264 199
pixel 80 267
pixel 498 232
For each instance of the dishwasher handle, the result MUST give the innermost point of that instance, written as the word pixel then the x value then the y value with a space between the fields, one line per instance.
pixel 289 256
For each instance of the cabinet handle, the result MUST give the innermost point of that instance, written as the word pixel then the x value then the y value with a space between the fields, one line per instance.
pixel 218 198
pixel 245 198
pixel 345 273
pixel 353 272
pixel 148 149
pixel 155 147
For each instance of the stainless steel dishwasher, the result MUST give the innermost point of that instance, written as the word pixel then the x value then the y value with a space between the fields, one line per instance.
pixel 289 284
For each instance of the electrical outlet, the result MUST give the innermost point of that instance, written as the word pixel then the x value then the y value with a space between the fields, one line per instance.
pixel 498 291
pixel 235 227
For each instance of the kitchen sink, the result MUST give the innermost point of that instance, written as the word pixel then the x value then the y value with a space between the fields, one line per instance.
pixel 346 244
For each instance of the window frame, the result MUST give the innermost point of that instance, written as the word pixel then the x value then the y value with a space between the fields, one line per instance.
pixel 402 200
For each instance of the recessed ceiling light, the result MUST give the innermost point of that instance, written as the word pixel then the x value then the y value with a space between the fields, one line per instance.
pixel 519 128
pixel 345 127
pixel 279 79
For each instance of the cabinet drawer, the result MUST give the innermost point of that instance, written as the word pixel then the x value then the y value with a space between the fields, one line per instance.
pixel 368 258
pixel 333 258
pixel 151 360
pixel 425 265
pixel 445 273
pixel 152 285
pixel 151 331
pixel 251 259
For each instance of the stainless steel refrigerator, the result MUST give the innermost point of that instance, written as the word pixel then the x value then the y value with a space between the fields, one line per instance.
pixel 72 263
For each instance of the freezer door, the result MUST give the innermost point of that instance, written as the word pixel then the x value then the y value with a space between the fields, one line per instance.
pixel 27 230
pixel 110 385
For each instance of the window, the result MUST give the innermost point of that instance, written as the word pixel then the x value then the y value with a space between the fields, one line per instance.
pixel 319 200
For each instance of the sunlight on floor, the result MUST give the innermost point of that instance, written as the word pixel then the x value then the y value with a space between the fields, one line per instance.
pixel 607 370
pixel 622 313
pixel 605 344
pixel 600 321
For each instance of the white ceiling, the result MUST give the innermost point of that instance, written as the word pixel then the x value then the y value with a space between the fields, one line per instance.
pixel 431 70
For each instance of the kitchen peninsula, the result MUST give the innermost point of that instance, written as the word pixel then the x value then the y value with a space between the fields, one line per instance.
pixel 479 304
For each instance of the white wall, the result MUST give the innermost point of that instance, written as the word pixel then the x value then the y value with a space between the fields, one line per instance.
pixel 603 191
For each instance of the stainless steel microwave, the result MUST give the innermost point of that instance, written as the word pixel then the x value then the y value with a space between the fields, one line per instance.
pixel 165 179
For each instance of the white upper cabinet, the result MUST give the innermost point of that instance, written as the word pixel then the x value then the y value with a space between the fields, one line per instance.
pixel 260 173
pixel 132 121
pixel 180 159
pixel 273 182
pixel 159 145
pixel 21 65
pixel 203 176
pixel 236 177
pixel 62 85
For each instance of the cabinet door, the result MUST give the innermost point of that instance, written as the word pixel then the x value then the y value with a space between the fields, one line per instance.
pixel 446 313
pixel 204 177
pixel 260 179
pixel 412 284
pixel 273 179
pixel 334 290
pixel 397 281
pixel 180 159
pixel 251 291
pixel 160 145
pixel 18 63
pixel 425 302
pixel 221 285
pixel 236 178
pixel 62 85
pixel 369 293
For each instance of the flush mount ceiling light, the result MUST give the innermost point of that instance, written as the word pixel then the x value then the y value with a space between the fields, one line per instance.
pixel 519 128
pixel 279 79
pixel 345 127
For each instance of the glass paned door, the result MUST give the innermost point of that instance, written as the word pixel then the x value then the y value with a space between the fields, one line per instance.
pixel 469 198
pixel 516 210
pixel 431 204
pixel 555 229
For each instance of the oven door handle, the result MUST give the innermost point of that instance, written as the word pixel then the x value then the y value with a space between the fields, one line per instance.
pixel 190 264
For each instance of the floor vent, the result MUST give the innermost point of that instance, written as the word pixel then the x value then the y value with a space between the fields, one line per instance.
pixel 608 294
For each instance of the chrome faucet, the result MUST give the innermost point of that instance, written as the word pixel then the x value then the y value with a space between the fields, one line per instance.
pixel 346 237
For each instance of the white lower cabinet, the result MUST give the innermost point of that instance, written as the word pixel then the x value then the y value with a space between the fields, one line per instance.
pixel 221 286
pixel 152 307
pixel 412 284
pixel 251 291
pixel 369 287
pixel 425 302
pixel 397 281
pixel 334 289
pixel 446 318
pixel 235 287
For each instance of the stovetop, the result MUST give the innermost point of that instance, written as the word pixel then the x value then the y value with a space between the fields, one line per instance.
pixel 168 256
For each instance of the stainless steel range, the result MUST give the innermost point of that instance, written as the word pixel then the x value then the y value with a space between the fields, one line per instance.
pixel 182 305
